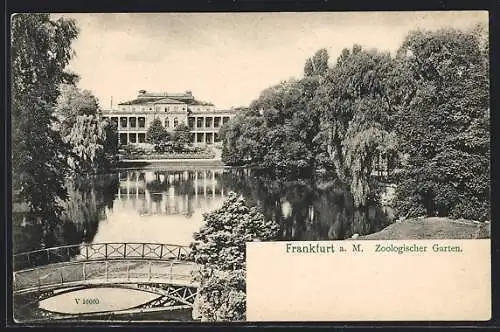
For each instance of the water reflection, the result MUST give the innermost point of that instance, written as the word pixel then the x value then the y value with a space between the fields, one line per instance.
pixel 167 206
pixel 309 210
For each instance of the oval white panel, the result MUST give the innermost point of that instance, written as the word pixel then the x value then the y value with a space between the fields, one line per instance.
pixel 92 300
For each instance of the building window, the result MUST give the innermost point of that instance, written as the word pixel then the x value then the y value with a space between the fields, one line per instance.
pixel 167 123
pixel 176 123
pixel 115 121
pixel 132 122
pixel 208 122
pixel 191 121
pixel 123 139
pixel 216 137
pixel 150 109
pixel 217 122
pixel 124 108
pixel 192 137
pixel 142 138
pixel 123 122
pixel 132 138
pixel 199 137
pixel 166 109
pixel 208 138
pixel 142 122
pixel 199 122
pixel 104 118
pixel 225 120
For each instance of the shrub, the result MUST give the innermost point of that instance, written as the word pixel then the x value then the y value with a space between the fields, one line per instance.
pixel 220 247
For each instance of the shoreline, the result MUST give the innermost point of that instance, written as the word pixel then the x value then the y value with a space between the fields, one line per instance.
pixel 146 163
pixel 431 228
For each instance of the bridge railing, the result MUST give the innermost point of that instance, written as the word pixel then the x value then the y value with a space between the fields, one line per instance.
pixel 101 251
pixel 104 271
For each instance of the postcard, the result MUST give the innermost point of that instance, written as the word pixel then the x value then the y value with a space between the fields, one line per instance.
pixel 251 166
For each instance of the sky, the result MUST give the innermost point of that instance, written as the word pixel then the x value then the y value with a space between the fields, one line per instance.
pixel 227 58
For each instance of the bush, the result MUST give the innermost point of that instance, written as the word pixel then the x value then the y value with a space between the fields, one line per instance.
pixel 220 247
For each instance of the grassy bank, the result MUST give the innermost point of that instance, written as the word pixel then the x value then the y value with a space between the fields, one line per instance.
pixel 431 228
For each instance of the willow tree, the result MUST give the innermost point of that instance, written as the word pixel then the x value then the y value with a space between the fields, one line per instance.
pixel 89 140
pixel 356 116
pixel 41 49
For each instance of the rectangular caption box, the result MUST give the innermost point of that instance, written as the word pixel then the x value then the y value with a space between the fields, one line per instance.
pixel 418 280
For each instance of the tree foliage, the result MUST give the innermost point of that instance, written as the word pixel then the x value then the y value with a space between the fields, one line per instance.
pixel 277 134
pixel 356 118
pixel 426 109
pixel 220 247
pixel 156 133
pixel 317 64
pixel 91 143
pixel 181 137
pixel 41 49
pixel 444 128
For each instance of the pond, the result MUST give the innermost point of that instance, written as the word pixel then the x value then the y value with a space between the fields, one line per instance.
pixel 166 205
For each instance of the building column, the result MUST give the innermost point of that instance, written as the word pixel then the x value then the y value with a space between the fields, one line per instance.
pixel 119 188
pixel 148 200
pixel 213 184
pixel 205 183
pixel 196 184
pixel 128 185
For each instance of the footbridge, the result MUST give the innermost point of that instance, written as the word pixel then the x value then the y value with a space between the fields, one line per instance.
pixel 162 269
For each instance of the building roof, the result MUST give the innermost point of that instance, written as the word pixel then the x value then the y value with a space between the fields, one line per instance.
pixel 163 97
pixel 138 101
pixel 167 101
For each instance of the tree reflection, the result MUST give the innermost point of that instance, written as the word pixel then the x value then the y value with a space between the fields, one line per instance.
pixel 85 207
pixel 307 209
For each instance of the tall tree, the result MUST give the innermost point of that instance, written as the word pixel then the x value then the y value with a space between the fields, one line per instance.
pixel 156 133
pixel 444 126
pixel 278 133
pixel 181 137
pixel 317 64
pixel 41 49
pixel 83 131
pixel 72 103
pixel 356 117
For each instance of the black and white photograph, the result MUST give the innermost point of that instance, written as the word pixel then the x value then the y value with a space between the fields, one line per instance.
pixel 149 149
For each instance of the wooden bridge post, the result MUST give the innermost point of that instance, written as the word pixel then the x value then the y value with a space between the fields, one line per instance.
pixel 62 277
pixel 83 272
pixel 128 271
pixel 106 270
pixel 149 274
pixel 124 250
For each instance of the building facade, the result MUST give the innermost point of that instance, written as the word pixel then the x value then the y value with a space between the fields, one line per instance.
pixel 134 117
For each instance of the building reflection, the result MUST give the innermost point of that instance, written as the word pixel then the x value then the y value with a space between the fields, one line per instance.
pixel 169 192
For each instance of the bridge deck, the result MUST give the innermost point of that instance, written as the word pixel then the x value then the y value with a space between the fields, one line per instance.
pixel 97 272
